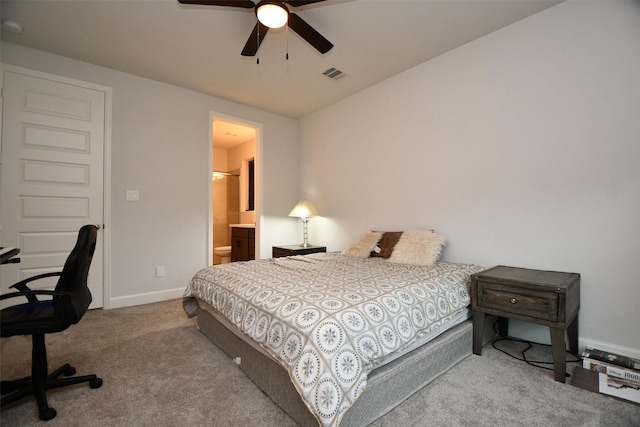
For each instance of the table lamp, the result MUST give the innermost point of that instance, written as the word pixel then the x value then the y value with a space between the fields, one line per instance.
pixel 304 210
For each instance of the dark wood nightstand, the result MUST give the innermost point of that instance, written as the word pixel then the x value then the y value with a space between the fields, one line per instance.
pixel 549 298
pixel 290 250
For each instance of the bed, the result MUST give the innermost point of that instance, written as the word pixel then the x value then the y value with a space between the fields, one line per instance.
pixel 333 338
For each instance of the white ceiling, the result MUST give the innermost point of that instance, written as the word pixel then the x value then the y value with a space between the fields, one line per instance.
pixel 198 47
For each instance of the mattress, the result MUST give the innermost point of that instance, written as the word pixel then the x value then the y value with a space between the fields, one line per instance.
pixel 329 320
pixel 387 386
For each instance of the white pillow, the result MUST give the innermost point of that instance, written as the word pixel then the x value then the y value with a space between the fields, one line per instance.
pixel 418 247
pixel 362 247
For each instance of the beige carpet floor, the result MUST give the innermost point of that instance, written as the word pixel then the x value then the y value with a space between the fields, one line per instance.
pixel 159 370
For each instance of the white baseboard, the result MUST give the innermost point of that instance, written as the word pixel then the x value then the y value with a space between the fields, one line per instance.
pixel 139 299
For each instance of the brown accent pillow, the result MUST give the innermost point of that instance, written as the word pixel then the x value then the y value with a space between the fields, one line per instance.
pixel 385 246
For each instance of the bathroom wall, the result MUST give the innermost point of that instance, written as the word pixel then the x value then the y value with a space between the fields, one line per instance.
pixel 236 157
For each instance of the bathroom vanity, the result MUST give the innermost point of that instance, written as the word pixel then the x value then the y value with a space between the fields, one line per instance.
pixel 243 242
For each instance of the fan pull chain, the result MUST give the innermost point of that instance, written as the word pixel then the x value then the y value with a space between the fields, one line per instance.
pixel 286 35
pixel 258 44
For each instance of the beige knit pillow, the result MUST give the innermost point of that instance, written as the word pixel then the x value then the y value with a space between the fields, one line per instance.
pixel 362 247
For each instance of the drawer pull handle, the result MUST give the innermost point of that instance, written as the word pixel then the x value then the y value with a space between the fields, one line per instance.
pixel 513 300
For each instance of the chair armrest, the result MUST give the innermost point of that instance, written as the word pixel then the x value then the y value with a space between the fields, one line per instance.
pixel 22 285
pixel 23 288
pixel 33 293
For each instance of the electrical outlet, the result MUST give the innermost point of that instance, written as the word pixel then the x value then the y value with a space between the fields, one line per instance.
pixel 160 271
pixel 133 196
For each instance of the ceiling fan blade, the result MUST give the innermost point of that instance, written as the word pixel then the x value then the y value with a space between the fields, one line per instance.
pixel 251 48
pixel 246 4
pixel 298 3
pixel 307 32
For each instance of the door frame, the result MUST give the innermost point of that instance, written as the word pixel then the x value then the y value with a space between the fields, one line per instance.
pixel 106 159
pixel 213 115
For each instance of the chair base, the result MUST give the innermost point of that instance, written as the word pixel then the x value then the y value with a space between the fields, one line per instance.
pixel 19 389
pixel 39 381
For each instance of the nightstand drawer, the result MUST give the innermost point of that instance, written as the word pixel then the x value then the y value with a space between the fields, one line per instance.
pixel 525 302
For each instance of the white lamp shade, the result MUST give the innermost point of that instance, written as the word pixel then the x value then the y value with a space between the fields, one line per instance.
pixel 304 209
pixel 272 15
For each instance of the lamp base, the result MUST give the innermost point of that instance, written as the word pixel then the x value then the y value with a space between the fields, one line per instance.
pixel 305 233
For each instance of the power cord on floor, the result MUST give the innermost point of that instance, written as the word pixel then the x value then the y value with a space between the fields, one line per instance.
pixel 536 363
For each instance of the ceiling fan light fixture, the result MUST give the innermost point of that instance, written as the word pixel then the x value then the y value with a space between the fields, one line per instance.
pixel 272 14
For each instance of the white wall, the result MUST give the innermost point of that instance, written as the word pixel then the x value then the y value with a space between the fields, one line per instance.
pixel 522 148
pixel 161 146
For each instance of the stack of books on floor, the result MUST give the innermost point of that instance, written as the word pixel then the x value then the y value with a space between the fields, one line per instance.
pixel 619 375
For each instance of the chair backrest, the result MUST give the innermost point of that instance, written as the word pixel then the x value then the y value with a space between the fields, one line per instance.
pixel 73 280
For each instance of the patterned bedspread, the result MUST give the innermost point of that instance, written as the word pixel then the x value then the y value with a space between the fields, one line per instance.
pixel 330 319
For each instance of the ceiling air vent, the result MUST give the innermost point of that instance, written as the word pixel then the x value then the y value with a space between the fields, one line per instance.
pixel 334 73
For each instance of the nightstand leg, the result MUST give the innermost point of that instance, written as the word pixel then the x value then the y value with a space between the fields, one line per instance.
pixel 478 329
pixel 559 353
pixel 572 335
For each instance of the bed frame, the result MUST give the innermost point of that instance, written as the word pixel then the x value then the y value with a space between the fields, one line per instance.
pixel 387 386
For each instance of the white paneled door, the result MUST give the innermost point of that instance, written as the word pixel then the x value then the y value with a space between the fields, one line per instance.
pixel 53 136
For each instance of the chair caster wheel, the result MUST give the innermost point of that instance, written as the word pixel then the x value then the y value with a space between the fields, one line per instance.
pixel 69 371
pixel 96 383
pixel 48 414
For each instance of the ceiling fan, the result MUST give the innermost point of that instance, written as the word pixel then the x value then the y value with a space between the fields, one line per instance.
pixel 272 14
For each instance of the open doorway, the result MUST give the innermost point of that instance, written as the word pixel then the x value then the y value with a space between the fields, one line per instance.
pixel 234 181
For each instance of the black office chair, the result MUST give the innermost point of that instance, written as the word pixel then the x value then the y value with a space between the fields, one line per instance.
pixel 70 300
